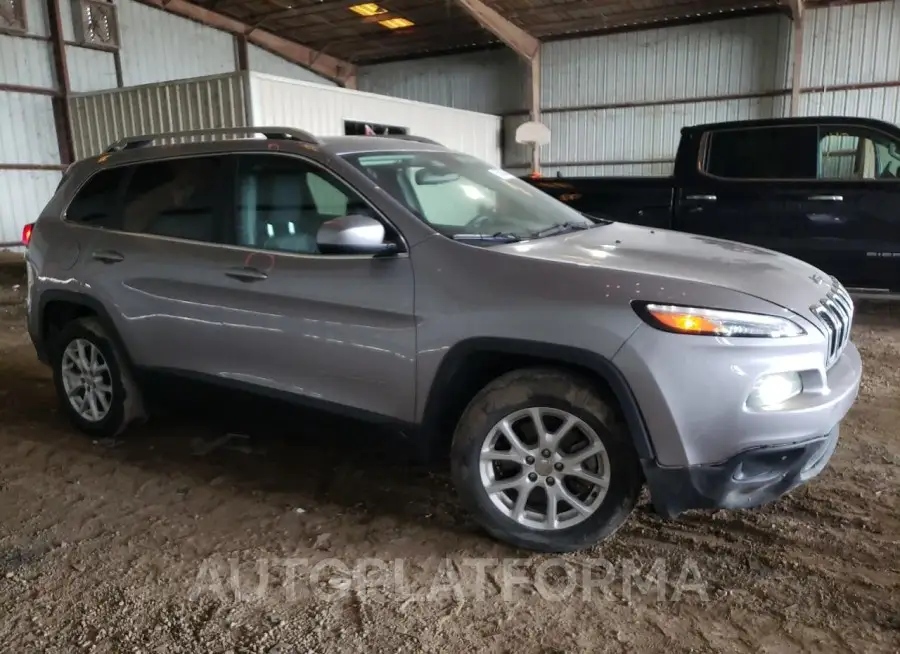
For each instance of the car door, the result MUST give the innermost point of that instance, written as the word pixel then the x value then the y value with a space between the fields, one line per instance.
pixel 851 208
pixel 744 186
pixel 156 265
pixel 337 329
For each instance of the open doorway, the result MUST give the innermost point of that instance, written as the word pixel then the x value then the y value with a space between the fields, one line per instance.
pixel 358 128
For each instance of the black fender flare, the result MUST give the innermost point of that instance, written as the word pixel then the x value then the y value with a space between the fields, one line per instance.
pixel 455 360
pixel 86 301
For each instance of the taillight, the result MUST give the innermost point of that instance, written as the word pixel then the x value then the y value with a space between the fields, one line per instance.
pixel 26 233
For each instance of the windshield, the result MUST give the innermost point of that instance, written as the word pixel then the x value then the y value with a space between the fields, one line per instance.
pixel 464 197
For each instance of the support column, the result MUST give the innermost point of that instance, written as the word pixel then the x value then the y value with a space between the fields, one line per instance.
pixel 797 77
pixel 61 73
pixel 524 45
pixel 534 68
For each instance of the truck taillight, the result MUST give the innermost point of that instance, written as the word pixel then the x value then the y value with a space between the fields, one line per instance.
pixel 26 233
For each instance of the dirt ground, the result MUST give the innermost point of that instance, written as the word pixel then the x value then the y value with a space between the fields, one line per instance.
pixel 298 533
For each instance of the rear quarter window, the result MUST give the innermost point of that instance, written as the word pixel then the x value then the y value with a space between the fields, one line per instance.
pixel 97 202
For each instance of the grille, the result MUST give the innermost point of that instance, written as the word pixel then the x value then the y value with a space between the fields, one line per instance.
pixel 835 312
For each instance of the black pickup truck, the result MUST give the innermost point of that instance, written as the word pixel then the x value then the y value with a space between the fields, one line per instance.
pixel 823 189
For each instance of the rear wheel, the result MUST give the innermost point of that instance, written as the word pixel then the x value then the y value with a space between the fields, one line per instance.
pixel 541 461
pixel 93 385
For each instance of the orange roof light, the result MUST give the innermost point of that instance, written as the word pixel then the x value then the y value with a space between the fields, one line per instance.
pixel 368 9
pixel 396 23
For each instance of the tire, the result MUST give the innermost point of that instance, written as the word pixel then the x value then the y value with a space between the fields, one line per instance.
pixel 125 404
pixel 558 395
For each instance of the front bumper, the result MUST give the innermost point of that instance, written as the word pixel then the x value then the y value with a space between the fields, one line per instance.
pixel 709 449
pixel 749 479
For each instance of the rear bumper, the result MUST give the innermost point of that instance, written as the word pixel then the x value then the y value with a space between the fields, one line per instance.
pixel 749 479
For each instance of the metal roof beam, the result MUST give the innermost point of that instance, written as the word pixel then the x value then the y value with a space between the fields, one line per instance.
pixel 520 41
pixel 333 68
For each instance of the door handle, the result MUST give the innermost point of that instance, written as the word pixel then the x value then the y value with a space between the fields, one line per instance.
pixel 704 198
pixel 826 198
pixel 108 256
pixel 246 274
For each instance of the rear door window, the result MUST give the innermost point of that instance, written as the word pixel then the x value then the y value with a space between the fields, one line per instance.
pixel 98 202
pixel 181 198
pixel 853 154
pixel 776 153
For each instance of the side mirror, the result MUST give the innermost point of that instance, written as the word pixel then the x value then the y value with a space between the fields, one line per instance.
pixel 353 234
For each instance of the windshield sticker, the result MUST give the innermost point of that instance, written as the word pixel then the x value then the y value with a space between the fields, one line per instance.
pixel 502 174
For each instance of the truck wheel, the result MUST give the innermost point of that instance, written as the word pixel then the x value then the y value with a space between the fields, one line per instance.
pixel 542 463
pixel 93 384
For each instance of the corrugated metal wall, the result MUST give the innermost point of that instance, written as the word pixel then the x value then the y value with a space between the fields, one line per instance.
pixel 852 46
pixel 155 47
pixel 490 82
pixel 158 47
pixel 263 61
pixel 616 104
pixel 99 119
pixel 323 110
pixel 27 137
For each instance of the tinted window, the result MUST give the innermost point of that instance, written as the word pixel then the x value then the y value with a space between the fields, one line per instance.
pixel 763 153
pixel 97 202
pixel 282 202
pixel 176 198
pixel 855 154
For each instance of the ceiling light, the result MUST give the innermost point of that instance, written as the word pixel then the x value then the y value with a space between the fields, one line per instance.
pixel 368 9
pixel 396 23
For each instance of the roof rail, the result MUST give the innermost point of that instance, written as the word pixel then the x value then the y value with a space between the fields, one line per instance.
pixel 411 137
pixel 282 133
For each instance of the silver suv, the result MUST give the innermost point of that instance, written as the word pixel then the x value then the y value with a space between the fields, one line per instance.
pixel 561 360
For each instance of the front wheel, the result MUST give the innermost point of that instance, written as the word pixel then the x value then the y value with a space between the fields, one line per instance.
pixel 541 461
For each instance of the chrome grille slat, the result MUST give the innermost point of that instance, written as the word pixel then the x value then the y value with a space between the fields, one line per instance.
pixel 835 314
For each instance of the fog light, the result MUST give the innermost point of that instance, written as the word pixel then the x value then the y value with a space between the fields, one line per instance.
pixel 770 391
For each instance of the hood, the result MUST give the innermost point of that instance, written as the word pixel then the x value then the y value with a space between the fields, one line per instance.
pixel 765 274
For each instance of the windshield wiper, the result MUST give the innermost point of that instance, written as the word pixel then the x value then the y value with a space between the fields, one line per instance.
pixel 560 229
pixel 502 237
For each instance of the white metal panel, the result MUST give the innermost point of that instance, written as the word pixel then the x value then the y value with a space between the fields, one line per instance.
pixel 99 119
pixel 880 103
pixel 67 20
pixel 26 62
pixel 853 44
pixel 27 135
pixel 659 169
pixel 25 194
pixel 90 69
pixel 692 61
pixel 490 82
pixel 263 61
pixel 322 110
pixel 637 134
pixel 36 17
pixel 157 46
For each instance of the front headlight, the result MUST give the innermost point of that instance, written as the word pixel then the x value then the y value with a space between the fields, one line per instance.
pixel 716 322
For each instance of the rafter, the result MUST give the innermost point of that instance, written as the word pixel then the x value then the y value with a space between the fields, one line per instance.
pixel 333 68
pixel 520 41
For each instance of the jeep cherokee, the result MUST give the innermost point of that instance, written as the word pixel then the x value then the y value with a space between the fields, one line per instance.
pixel 562 361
